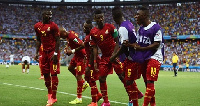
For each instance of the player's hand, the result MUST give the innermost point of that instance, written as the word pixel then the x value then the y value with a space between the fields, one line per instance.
pixel 55 59
pixel 36 57
pixel 126 43
pixel 95 67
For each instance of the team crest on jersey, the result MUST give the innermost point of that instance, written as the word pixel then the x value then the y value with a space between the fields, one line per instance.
pixel 95 35
pixel 106 31
pixel 39 29
pixel 48 29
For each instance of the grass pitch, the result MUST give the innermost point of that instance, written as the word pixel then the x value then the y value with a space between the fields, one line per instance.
pixel 18 89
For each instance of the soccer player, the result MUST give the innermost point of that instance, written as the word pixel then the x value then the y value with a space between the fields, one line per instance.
pixel 105 36
pixel 11 59
pixel 129 57
pixel 25 62
pixel 175 60
pixel 150 42
pixel 77 66
pixel 91 75
pixel 40 64
pixel 48 35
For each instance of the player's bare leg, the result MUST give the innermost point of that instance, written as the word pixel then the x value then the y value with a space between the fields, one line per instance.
pixel 23 68
pixel 27 69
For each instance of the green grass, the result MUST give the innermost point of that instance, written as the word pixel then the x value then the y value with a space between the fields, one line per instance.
pixel 17 89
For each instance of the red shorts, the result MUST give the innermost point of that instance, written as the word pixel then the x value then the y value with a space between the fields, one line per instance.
pixel 47 63
pixel 150 70
pixel 118 67
pixel 78 62
pixel 106 67
pixel 132 70
pixel 93 75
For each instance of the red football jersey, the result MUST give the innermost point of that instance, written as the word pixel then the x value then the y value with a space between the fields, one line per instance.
pixel 87 46
pixel 74 42
pixel 47 33
pixel 104 39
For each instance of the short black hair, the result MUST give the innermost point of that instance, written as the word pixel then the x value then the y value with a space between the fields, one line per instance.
pixel 98 11
pixel 44 11
pixel 117 12
pixel 88 21
pixel 144 9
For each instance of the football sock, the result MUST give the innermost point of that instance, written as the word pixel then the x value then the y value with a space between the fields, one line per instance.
pixel 47 80
pixel 103 87
pixel 79 88
pixel 153 101
pixel 133 93
pixel 125 86
pixel 27 70
pixel 23 71
pixel 150 92
pixel 54 86
pixel 94 91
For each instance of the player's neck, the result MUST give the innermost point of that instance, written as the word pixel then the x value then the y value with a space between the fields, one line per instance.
pixel 100 26
pixel 46 21
pixel 146 23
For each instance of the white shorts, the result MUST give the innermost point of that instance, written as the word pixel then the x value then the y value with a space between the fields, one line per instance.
pixel 26 58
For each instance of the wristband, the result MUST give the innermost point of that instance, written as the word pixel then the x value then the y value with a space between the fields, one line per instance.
pixel 95 61
pixel 55 53
pixel 73 51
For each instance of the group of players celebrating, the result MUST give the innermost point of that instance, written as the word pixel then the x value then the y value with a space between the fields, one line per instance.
pixel 130 55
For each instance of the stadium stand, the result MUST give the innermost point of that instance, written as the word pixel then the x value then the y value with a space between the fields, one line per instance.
pixel 17 20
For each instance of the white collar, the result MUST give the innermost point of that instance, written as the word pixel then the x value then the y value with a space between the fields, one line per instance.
pixel 149 26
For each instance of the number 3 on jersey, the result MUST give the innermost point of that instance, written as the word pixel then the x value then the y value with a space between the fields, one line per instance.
pixel 153 71
pixel 101 36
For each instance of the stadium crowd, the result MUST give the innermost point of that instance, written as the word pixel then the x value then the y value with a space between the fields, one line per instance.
pixel 175 19
pixel 186 51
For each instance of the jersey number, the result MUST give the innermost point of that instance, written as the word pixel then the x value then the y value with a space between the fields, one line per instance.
pixel 101 36
pixel 54 67
pixel 153 71
pixel 91 72
pixel 129 72
pixel 78 68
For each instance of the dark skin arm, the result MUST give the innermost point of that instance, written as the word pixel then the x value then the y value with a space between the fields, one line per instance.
pixel 95 53
pixel 91 60
pixel 54 58
pixel 38 44
pixel 69 52
pixel 155 45
pixel 115 52
pixel 119 52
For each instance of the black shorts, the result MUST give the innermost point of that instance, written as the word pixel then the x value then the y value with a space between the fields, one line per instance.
pixel 174 65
